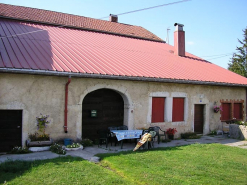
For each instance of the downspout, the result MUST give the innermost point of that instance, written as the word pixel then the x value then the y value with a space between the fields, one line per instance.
pixel 66 106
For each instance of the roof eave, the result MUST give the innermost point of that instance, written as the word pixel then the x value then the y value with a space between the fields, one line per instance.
pixel 81 28
pixel 115 77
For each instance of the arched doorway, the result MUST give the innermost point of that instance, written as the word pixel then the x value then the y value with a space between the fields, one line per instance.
pixel 109 107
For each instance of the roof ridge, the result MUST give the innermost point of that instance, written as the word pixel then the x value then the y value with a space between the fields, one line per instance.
pixel 40 9
pixel 77 21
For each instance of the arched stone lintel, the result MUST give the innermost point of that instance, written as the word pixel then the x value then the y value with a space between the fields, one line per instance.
pixel 128 104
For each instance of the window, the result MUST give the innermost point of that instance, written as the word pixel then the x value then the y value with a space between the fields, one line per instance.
pixel 158 109
pixel 226 113
pixel 238 111
pixel 178 109
pixel 232 109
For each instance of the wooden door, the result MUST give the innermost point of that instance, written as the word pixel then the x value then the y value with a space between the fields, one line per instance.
pixel 10 129
pixel 110 111
pixel 198 118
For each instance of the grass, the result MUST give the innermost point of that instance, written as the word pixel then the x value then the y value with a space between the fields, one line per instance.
pixel 191 164
pixel 63 170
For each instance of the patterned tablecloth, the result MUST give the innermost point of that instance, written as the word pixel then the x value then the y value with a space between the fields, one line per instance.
pixel 127 134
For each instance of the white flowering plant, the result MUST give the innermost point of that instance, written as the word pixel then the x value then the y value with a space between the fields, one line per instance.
pixel 56 148
pixel 74 145
pixel 19 150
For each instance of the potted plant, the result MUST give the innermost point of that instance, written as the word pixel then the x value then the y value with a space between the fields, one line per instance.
pixel 40 138
pixel 217 108
pixel 74 146
pixel 171 132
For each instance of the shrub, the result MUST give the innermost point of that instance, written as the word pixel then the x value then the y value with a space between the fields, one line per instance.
pixel 213 132
pixel 19 150
pixel 190 135
pixel 241 123
pixel 165 140
pixel 56 148
pixel 87 142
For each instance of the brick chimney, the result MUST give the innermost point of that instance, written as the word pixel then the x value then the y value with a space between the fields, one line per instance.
pixel 113 18
pixel 179 40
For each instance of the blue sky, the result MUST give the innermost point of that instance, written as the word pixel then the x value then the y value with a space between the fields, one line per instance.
pixel 212 27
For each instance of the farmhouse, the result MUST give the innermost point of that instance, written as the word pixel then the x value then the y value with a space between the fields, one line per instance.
pixel 89 74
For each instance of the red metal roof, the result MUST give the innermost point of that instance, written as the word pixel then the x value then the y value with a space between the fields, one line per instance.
pixel 51 17
pixel 46 47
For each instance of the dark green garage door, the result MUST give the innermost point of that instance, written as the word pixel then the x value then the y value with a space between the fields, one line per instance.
pixel 10 129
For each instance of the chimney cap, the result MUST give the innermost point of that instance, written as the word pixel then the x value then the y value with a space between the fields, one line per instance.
pixel 113 18
pixel 113 15
pixel 179 27
pixel 178 24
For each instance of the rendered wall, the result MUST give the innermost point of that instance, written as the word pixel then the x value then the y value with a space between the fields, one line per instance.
pixel 35 94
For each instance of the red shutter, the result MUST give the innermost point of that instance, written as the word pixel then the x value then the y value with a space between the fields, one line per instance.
pixel 238 111
pixel 178 109
pixel 158 108
pixel 225 114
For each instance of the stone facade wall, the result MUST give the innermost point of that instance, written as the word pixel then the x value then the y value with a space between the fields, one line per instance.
pixel 35 94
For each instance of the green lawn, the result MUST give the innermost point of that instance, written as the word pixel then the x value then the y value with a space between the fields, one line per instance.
pixel 191 164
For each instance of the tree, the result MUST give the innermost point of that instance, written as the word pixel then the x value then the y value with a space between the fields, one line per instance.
pixel 238 63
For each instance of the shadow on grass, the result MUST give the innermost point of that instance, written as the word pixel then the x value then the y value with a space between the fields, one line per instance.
pixel 10 169
pixel 105 155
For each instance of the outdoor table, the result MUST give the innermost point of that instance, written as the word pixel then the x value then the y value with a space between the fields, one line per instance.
pixel 127 134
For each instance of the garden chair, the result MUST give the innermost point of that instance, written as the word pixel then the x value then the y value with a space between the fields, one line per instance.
pixel 104 136
pixel 112 135
pixel 157 130
pixel 150 142
pixel 123 127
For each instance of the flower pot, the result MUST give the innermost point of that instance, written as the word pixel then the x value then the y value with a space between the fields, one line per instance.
pixel 216 111
pixel 171 137
pixel 73 149
pixel 39 143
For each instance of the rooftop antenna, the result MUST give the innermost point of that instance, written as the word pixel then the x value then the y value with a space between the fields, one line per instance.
pixel 167 36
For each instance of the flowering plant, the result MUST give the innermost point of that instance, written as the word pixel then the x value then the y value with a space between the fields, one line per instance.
pixel 217 108
pixel 56 148
pixel 171 131
pixel 74 145
pixel 39 137
pixel 41 125
pixel 42 122
pixel 19 150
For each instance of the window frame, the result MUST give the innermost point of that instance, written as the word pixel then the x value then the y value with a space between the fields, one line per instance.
pixel 158 95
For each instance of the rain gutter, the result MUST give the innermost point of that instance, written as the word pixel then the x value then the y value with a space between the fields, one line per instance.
pixel 115 77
